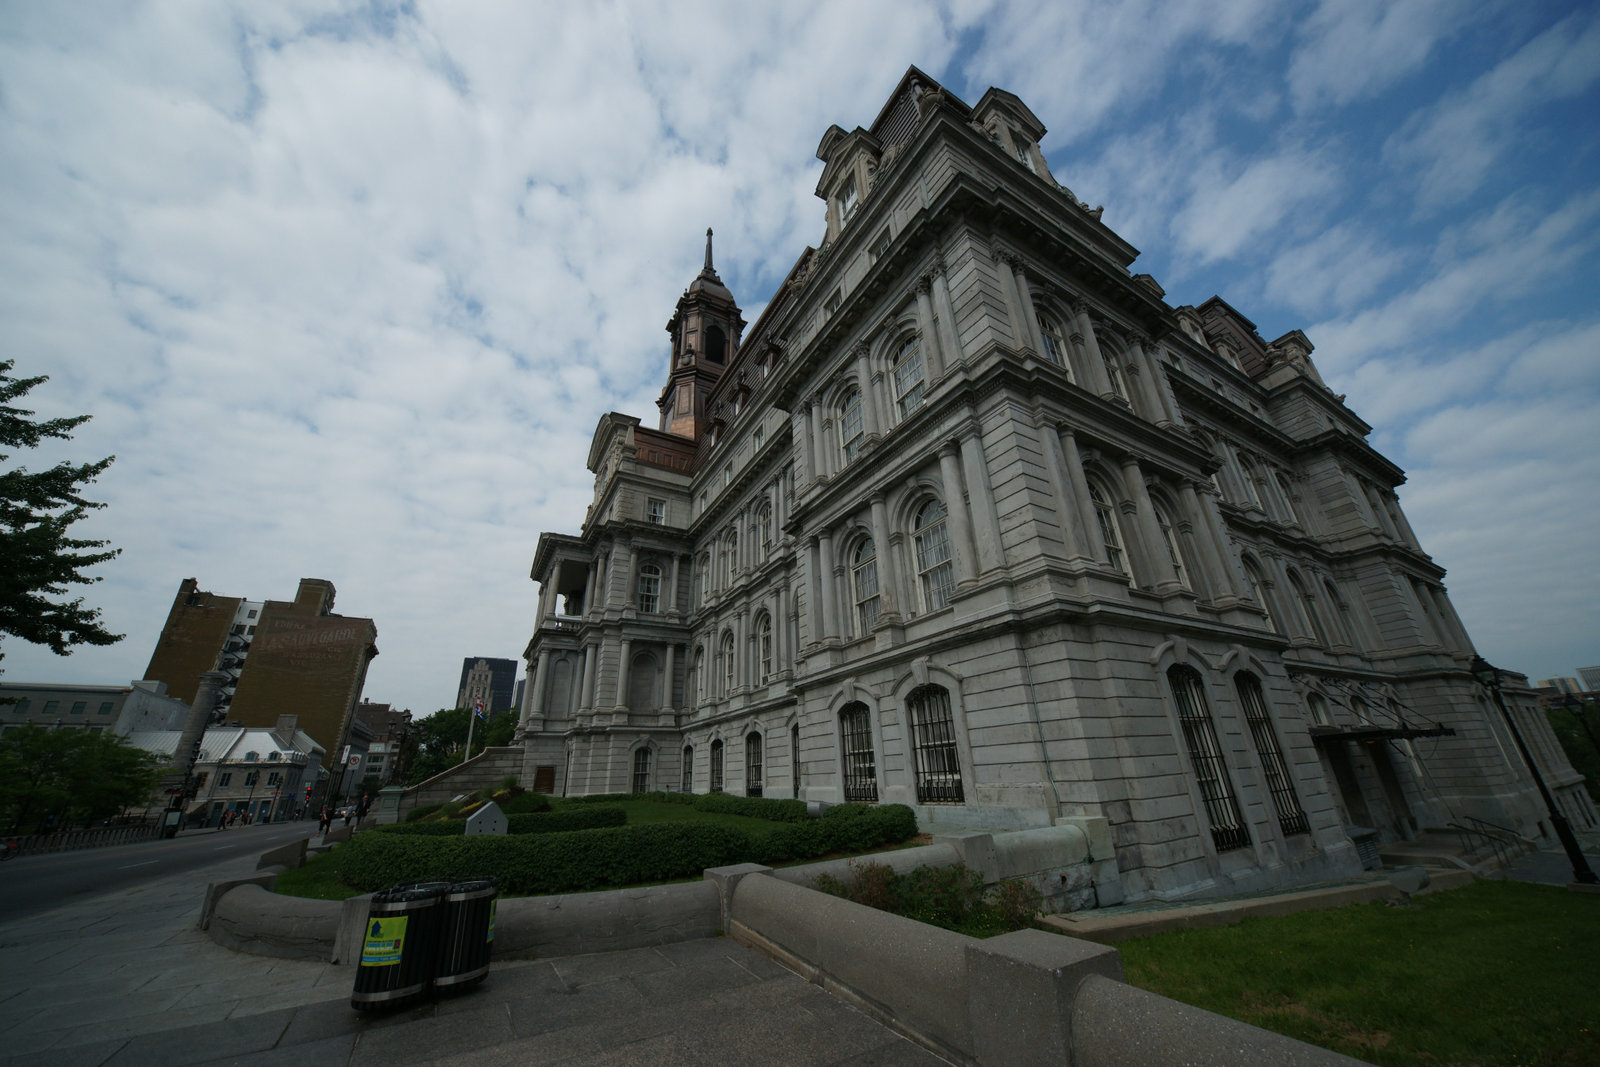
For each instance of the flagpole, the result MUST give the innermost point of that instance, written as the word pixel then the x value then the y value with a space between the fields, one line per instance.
pixel 472 721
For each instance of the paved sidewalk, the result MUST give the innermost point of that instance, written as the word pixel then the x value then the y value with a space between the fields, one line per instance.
pixel 126 979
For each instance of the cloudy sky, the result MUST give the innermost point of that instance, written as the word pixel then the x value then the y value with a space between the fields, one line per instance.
pixel 347 286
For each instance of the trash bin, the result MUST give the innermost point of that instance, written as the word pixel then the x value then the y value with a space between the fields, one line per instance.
pixel 468 933
pixel 400 949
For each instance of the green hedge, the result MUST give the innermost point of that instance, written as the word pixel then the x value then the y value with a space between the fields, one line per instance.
pixel 546 822
pixel 605 858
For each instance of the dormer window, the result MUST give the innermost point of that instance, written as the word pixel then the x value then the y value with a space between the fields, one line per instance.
pixel 849 201
pixel 1024 152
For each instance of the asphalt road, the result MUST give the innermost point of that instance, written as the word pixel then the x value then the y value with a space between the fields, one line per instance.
pixel 31 884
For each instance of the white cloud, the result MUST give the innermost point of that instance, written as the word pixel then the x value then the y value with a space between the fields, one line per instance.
pixel 1232 206
pixel 1447 150
pixel 1338 268
pixel 1353 49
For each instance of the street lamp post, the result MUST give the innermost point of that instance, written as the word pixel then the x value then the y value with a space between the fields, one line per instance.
pixel 1488 676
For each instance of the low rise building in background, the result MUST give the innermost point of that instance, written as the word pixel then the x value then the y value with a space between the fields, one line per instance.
pixel 258 771
pixel 118 709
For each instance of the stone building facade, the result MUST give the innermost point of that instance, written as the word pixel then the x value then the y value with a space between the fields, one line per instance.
pixel 972 519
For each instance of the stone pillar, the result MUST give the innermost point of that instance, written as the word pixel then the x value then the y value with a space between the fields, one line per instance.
pixel 830 590
pixel 624 671
pixel 589 586
pixel 1074 539
pixel 1005 274
pixel 669 681
pixel 1082 502
pixel 1155 547
pixel 889 595
pixel 960 524
pixel 1238 583
pixel 824 453
pixel 539 689
pixel 1213 568
pixel 949 340
pixel 871 426
pixel 1375 502
pixel 980 499
pixel 672 598
pixel 1158 376
pixel 1145 384
pixel 741 651
pixel 932 344
pixel 586 680
pixel 1030 314
pixel 1096 378
pixel 800 430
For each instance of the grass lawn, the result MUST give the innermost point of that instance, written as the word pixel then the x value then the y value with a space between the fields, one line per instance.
pixel 1492 973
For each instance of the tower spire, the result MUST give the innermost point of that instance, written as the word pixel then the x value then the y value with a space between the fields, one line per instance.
pixel 709 268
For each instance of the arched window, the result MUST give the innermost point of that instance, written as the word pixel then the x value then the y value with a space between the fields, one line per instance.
pixel 730 558
pixel 1169 537
pixel 864 585
pixel 1288 498
pixel 753 774
pixel 851 427
pixel 727 664
pixel 935 566
pixel 687 784
pixel 1358 708
pixel 1106 516
pixel 641 770
pixel 1308 608
pixel 1258 589
pixel 1252 481
pixel 938 762
pixel 908 377
pixel 649 597
pixel 699 669
pixel 860 766
pixel 716 344
pixel 1114 371
pixel 1339 611
pixel 1055 342
pixel 764 646
pixel 1317 708
pixel 1291 817
pixel 1228 830
pixel 702 567
pixel 716 766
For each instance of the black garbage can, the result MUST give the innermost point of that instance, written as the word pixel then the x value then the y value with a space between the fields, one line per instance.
pixel 468 933
pixel 400 949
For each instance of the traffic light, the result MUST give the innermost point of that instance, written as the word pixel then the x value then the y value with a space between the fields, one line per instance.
pixel 308 794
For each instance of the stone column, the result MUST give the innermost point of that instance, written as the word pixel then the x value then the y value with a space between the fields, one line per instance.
pixel 1149 392
pixel 672 598
pixel 889 595
pixel 624 670
pixel 1096 378
pixel 1213 568
pixel 540 690
pixel 932 344
pixel 1163 386
pixel 669 685
pixel 1082 502
pixel 800 430
pixel 1155 547
pixel 960 524
pixel 1005 274
pixel 980 498
pixel 950 352
pixel 1381 513
pixel 830 590
pixel 871 427
pixel 813 563
pixel 586 681
pixel 824 453
pixel 1030 314
pixel 589 586
pixel 1074 539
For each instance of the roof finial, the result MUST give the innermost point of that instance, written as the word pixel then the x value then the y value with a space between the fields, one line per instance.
pixel 709 269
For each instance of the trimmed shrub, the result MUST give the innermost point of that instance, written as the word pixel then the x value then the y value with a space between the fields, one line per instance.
pixel 526 804
pixel 422 813
pixel 755 807
pixel 555 822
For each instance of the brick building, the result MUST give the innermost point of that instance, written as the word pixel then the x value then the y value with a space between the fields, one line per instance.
pixel 282 657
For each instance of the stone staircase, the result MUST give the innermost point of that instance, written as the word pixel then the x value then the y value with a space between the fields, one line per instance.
pixel 1481 849
pixel 489 767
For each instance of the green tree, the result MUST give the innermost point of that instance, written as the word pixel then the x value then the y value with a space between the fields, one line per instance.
pixel 55 778
pixel 1577 726
pixel 38 559
pixel 441 737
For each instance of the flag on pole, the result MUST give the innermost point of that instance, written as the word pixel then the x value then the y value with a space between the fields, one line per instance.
pixel 477 708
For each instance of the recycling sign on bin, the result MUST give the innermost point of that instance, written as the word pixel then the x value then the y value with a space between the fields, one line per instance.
pixel 385 942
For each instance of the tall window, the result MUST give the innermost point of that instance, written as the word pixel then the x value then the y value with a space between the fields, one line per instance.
pixel 860 768
pixel 1318 710
pixel 935 567
pixel 687 783
pixel 1308 608
pixel 1252 481
pixel 850 425
pixel 849 201
pixel 908 377
pixel 1258 589
pixel 727 664
pixel 1288 498
pixel 1291 817
pixel 699 668
pixel 650 588
pixel 716 766
pixel 938 764
pixel 864 585
pixel 753 775
pixel 655 511
pixel 794 761
pixel 1169 537
pixel 1114 372
pixel 641 771
pixel 1055 342
pixel 764 521
pixel 1107 518
pixel 730 559
pixel 1339 611
pixel 764 646
pixel 1228 830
